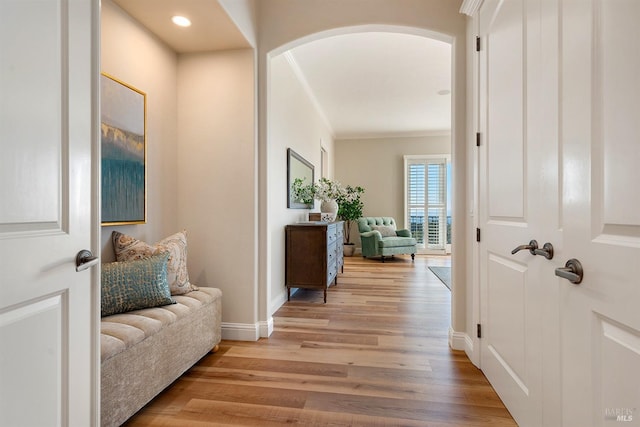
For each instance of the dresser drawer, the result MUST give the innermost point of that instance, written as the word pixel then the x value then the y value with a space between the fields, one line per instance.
pixel 339 232
pixel 332 271
pixel 332 234
pixel 332 253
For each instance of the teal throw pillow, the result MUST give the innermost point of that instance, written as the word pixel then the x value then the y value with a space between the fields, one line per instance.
pixel 132 285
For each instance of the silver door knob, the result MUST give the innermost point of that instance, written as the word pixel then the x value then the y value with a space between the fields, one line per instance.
pixel 572 271
pixel 546 250
pixel 531 247
pixel 85 259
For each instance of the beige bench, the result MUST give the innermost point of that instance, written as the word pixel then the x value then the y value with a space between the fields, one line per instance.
pixel 144 351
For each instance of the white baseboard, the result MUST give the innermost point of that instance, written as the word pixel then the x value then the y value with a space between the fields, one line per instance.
pixel 265 328
pixel 462 341
pixel 240 331
pixel 457 340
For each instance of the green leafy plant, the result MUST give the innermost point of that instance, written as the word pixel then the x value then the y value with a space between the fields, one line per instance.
pixel 350 208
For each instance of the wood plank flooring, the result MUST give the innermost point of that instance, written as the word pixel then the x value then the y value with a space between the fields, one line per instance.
pixel 375 355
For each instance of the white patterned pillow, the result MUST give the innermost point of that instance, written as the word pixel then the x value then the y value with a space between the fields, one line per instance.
pixel 385 230
pixel 129 248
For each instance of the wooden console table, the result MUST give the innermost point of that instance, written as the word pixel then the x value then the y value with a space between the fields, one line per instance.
pixel 313 255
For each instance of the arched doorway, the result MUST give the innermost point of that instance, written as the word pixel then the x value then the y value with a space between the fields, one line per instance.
pixel 276 213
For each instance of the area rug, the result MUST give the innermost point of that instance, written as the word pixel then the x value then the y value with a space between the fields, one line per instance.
pixel 444 274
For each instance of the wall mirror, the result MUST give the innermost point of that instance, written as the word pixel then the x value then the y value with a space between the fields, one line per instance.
pixel 297 167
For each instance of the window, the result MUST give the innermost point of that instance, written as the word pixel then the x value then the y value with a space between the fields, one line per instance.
pixel 428 202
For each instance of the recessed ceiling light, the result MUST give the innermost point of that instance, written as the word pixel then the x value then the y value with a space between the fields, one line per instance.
pixel 181 21
pixel 444 92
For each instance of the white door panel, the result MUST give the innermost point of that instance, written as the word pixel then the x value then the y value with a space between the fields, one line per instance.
pixel 47 130
pixel 519 202
pixel 510 315
pixel 601 320
pixel 505 116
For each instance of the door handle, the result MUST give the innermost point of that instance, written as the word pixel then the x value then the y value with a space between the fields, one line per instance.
pixel 572 271
pixel 85 259
pixel 532 247
pixel 546 251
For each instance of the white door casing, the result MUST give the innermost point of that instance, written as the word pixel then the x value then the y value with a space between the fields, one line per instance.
pixel 49 362
pixel 518 184
pixel 601 200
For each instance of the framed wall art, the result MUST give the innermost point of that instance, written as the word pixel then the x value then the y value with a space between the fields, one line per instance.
pixel 124 152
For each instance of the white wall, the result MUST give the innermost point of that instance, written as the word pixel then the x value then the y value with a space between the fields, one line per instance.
pixel 216 197
pixel 377 165
pixel 293 123
pixel 284 24
pixel 135 56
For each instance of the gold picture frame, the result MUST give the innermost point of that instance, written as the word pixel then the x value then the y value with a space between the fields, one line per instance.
pixel 123 137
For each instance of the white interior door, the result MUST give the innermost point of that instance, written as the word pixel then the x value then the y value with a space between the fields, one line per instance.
pixel 518 185
pixel 48 357
pixel 601 152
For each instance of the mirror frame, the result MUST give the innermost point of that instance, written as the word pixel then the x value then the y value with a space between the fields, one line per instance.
pixel 297 167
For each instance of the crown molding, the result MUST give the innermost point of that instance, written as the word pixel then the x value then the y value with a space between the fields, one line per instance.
pixel 470 7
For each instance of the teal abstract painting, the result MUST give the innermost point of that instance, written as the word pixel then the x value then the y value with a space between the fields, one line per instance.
pixel 123 152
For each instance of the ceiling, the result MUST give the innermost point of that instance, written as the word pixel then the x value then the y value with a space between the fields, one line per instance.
pixel 379 84
pixel 211 28
pixel 365 85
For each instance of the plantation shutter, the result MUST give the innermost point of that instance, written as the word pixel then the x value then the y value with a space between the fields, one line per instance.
pixel 427 201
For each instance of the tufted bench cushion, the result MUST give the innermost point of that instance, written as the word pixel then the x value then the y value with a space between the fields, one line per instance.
pixel 143 351
pixel 121 331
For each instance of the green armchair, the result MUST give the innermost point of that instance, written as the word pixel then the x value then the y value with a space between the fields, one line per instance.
pixel 380 237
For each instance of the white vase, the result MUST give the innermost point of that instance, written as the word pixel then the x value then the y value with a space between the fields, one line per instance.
pixel 329 210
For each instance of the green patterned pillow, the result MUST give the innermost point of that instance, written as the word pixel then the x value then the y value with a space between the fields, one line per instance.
pixel 132 285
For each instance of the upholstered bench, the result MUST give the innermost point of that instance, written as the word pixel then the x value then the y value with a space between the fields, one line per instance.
pixel 143 351
pixel 380 237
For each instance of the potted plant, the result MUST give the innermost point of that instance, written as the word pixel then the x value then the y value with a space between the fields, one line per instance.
pixel 328 192
pixel 349 210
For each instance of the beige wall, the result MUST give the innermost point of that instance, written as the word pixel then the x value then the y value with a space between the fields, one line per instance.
pixel 200 157
pixel 217 176
pixel 135 56
pixel 293 123
pixel 377 165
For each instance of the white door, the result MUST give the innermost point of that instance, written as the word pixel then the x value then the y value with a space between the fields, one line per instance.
pixel 48 85
pixel 601 198
pixel 518 203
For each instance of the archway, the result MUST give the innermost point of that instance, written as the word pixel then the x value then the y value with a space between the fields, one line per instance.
pixel 272 213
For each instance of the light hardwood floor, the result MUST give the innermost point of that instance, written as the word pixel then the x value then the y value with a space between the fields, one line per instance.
pixel 375 355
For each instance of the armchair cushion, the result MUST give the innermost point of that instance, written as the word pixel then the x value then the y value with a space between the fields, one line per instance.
pixel 396 242
pixel 385 230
